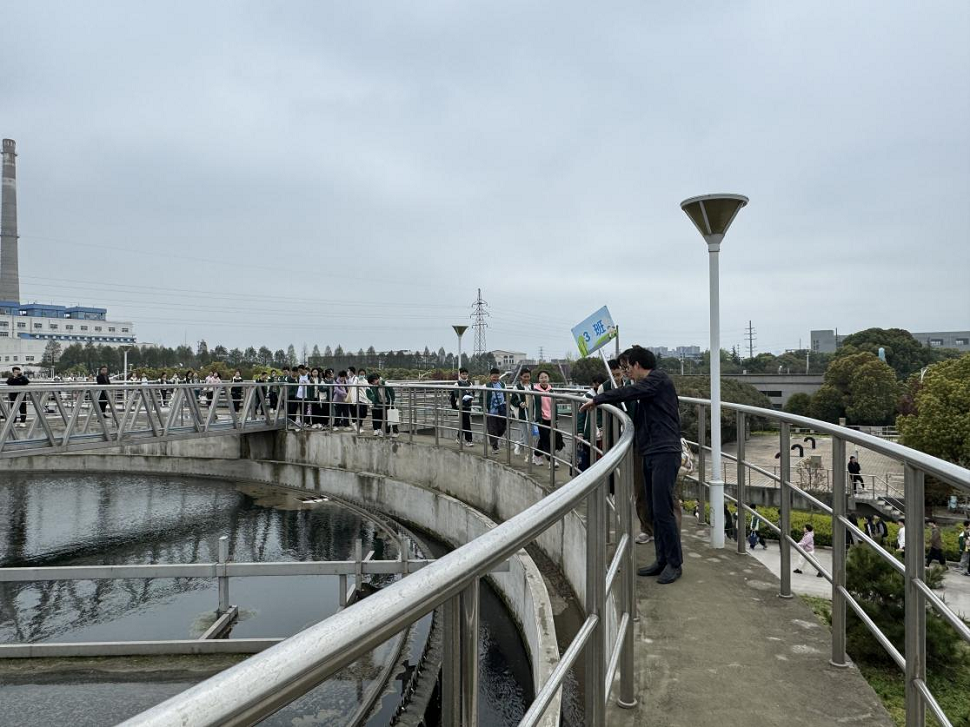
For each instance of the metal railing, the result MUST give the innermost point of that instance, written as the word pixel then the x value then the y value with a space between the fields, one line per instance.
pixel 918 594
pixel 53 418
pixel 245 693
pixel 248 692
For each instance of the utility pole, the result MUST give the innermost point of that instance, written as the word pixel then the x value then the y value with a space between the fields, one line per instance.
pixel 479 314
pixel 750 334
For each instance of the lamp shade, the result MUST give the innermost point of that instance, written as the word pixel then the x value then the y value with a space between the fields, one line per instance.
pixel 460 330
pixel 713 214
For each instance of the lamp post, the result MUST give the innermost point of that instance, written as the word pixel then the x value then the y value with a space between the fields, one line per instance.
pixel 459 330
pixel 713 214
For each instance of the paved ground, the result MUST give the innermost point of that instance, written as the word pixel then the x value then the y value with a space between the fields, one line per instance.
pixel 718 648
pixel 955 591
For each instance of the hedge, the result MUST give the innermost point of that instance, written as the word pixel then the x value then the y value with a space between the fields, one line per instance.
pixel 822 524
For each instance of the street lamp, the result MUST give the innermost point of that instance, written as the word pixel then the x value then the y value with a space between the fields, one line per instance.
pixel 459 330
pixel 713 214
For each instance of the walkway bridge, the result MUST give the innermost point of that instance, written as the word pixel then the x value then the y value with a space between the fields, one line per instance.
pixel 726 644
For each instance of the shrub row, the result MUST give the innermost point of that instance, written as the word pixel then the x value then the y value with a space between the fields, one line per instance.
pixel 822 525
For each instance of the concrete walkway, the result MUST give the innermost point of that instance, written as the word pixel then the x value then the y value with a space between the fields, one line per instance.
pixel 719 648
pixel 955 592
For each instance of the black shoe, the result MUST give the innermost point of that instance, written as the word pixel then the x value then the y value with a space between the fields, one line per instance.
pixel 818 575
pixel 670 574
pixel 797 571
pixel 651 570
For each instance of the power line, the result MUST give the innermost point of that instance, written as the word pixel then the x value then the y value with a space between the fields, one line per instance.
pixel 479 314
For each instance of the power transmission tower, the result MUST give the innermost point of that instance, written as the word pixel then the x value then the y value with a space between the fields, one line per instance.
pixel 750 335
pixel 479 314
pixel 540 354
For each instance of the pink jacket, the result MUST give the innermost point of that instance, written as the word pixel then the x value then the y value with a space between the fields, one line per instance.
pixel 807 543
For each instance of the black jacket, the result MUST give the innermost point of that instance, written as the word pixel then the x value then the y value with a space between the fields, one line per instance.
pixel 657 416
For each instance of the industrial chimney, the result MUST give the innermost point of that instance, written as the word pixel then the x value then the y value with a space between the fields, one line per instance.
pixel 9 269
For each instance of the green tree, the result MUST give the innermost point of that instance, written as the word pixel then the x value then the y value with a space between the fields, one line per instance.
pixel 880 591
pixel 291 355
pixel 904 353
pixel 799 404
pixel 857 386
pixel 582 371
pixel 940 424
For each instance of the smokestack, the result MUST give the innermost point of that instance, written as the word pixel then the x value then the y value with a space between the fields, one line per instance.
pixel 9 268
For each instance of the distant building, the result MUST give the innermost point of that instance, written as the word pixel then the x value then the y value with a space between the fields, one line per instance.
pixel 959 340
pixel 27 328
pixel 693 353
pixel 825 341
pixel 508 358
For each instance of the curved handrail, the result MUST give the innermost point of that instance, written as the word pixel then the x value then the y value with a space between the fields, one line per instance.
pixel 951 473
pixel 269 680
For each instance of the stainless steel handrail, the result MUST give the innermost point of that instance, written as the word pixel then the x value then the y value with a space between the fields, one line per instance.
pixel 912 659
pixel 249 691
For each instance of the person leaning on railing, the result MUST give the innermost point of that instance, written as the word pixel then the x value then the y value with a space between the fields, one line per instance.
pixel 657 426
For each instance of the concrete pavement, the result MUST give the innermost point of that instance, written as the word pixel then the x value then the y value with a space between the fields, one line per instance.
pixel 719 648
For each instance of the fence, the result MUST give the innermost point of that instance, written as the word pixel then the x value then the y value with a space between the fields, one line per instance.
pixel 916 466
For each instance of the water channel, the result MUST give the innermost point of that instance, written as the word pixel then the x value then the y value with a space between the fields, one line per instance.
pixel 108 519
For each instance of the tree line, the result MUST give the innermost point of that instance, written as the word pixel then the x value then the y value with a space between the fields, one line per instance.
pixel 84 360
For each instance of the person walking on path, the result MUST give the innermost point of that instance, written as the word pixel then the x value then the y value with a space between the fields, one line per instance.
pixel 755 536
pixel 542 415
pixel 963 545
pixel 236 392
pixel 461 399
pixel 521 407
pixel 807 543
pixel 854 469
pixel 657 428
pixel 17 378
pixel 901 536
pixel 104 380
pixel 495 406
pixel 936 544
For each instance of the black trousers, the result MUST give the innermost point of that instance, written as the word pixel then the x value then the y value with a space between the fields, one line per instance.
pixel 496 428
pixel 466 425
pixel 103 401
pixel 23 408
pixel 660 482
pixel 935 554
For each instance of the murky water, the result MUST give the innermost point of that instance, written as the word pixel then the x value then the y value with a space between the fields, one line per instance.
pixel 48 520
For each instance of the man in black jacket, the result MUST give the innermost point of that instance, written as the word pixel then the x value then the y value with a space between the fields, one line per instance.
pixel 17 378
pixel 657 424
pixel 104 380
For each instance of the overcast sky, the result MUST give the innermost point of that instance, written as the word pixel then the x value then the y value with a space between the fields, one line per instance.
pixel 282 172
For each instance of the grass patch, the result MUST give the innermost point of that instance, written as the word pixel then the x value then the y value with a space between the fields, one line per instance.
pixel 950 684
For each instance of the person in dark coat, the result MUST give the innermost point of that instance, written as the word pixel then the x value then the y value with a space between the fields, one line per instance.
pixel 17 378
pixel 657 427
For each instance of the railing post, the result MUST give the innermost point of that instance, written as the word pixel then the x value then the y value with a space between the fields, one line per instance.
pixel 575 415
pixel 508 428
pixel 838 552
pixel 785 522
pixel 411 419
pixel 451 663
pixel 595 650
pixel 223 578
pixel 469 655
pixel 434 406
pixel 701 461
pixel 628 696
pixel 915 618
pixel 742 528
pixel 553 424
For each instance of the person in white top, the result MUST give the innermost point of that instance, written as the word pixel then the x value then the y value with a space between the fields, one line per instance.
pixel 901 535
